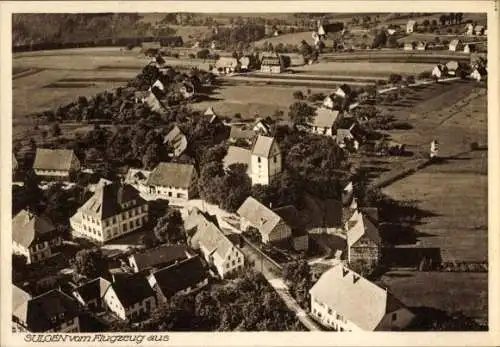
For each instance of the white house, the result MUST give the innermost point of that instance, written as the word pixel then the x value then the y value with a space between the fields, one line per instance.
pixel 323 121
pixel 55 164
pixel 219 252
pixel 411 26
pixel 439 71
pixel 479 30
pixel 479 74
pixel 183 277
pixel 261 127
pixel 409 46
pixel 34 237
pixel 469 29
pixel 456 45
pixel 91 293
pixel 345 301
pixel 171 181
pixel 50 312
pixel 272 63
pixel 114 210
pixel 130 297
pixel 226 65
pixel 349 134
pixel 363 240
pixel 177 140
pixel 422 46
pixel 271 226
pixel 266 161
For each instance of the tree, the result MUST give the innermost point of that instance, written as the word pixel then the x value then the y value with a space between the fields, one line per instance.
pixel 55 129
pixel 298 95
pixel 169 228
pixel 300 113
pixel 380 39
pixel 442 19
pixel 395 78
pixel 426 23
pixel 90 263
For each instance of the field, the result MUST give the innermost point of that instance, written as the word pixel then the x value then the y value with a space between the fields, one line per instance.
pixel 450 292
pixel 365 68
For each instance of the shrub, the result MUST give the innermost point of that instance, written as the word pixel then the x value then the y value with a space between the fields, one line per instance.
pixel 191 56
pixel 298 95
pixel 425 74
pixel 237 116
pixel 395 78
pixel 474 146
pixel 401 126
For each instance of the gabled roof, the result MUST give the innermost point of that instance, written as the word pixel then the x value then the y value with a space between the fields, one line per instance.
pixel 325 118
pixel 228 62
pixel 160 256
pixel 259 215
pixel 291 216
pixel 262 146
pixel 352 296
pixel 411 22
pixel 195 217
pixel 455 42
pixel 93 289
pixel 50 306
pixel 238 133
pixel 177 140
pixel 172 175
pixel 20 301
pixel 237 155
pixel 180 276
pixel 452 65
pixel 363 226
pixel 153 102
pixel 210 112
pixel 211 238
pixel 136 175
pixel 132 289
pixel 109 200
pixel 28 227
pixel 53 159
pixel 322 212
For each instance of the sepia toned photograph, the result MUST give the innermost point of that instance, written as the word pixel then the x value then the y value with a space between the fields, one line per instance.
pixel 249 172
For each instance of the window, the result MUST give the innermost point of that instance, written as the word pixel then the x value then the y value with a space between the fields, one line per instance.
pixel 169 193
pixel 258 160
pixel 125 227
pixel 275 159
pixel 179 195
pixel 329 311
pixel 234 263
pixel 394 316
pixel 114 219
pixel 131 225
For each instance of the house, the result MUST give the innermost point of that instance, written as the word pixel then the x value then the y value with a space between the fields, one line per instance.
pixel 238 155
pixel 363 241
pixel 345 301
pixel 177 140
pixel 347 193
pixel 349 134
pixel 469 29
pixel 52 311
pixel 479 30
pixel 292 217
pixel 439 71
pixel 112 211
pixel 171 181
pixel 470 47
pixel 479 73
pixel 324 121
pixel 153 102
pixel 130 297
pixel 186 89
pixel 219 252
pixel 158 257
pixel 452 67
pixel 456 45
pixel 272 227
pixel 409 46
pixel 195 218
pixel 158 84
pixel 272 63
pixel 227 65
pixel 322 215
pixel 34 237
pixel 183 277
pixel 411 26
pixel 137 178
pixel 211 114
pixel 55 164
pixel 422 46
pixel 238 134
pixel 91 294
pixel 266 161
pixel 328 102
pixel 321 31
pixel 261 127
pixel 245 63
pixel 344 91
pixel 391 31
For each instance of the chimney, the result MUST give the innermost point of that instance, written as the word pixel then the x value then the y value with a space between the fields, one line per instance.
pixel 345 271
pixel 355 278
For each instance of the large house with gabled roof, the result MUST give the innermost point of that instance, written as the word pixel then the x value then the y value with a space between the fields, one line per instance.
pixel 158 257
pixel 343 300
pixel 171 181
pixel 265 162
pixel 55 164
pixel 34 236
pixel 323 122
pixel 114 210
pixel 176 140
pixel 363 240
pixel 91 293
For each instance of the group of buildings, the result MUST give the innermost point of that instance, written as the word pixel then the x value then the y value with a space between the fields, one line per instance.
pixel 269 62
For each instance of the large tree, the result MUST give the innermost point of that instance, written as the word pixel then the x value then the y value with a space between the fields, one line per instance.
pixel 90 263
pixel 169 228
pixel 300 113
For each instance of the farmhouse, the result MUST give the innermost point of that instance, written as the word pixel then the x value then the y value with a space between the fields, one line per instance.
pixel 55 164
pixel 324 121
pixel 344 91
pixel 470 47
pixel 137 178
pixel 130 297
pixel 321 31
pixel 114 210
pixel 409 46
pixel 171 181
pixel 411 26
pixel 217 249
pixel 34 237
pixel 245 63
pixel 158 84
pixel 91 294
pixel 345 301
pixel 479 74
pixel 183 277
pixel 349 135
pixel 271 226
pixel 157 258
pixel 328 102
pixel 238 134
pixel 363 241
pixel 227 65
pixel 211 113
pixel 261 127
pixel 469 29
pixel 422 46
pixel 322 215
pixel 272 63
pixel 153 102
pixel 176 140
pixel 439 71
pixel 479 30
pixel 292 217
pixel 452 67
pixel 53 311
pixel 456 45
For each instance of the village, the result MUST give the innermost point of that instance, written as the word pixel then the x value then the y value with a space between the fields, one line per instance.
pixel 169 213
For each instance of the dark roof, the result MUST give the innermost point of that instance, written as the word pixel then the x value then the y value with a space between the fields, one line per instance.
pixel 131 289
pixel 325 213
pixel 160 256
pixel 172 175
pixel 53 159
pixel 238 133
pixel 28 227
pixel 94 289
pixel 108 200
pixel 180 276
pixel 292 218
pixel 49 309
pixel 262 146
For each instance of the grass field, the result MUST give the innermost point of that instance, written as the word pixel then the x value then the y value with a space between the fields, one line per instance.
pixel 450 292
pixel 365 68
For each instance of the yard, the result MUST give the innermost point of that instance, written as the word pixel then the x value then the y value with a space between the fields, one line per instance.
pixel 450 292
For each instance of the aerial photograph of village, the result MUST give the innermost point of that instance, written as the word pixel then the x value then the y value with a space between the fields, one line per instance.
pixel 226 172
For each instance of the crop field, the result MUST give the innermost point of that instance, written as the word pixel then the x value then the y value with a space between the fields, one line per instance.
pixel 450 292
pixel 365 68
